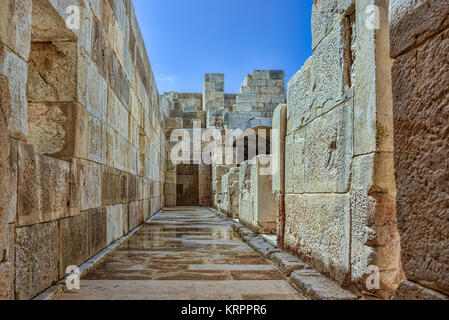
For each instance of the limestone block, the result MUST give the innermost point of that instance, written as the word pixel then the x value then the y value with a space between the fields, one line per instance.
pixel 246 201
pixel 170 201
pixel 97 221
pixel 90 182
pixel 95 140
pixel 328 151
pixel 58 129
pixel 16 70
pixel 8 184
pixel 114 219
pixel 330 67
pixel 278 133
pixel 371 76
pixel 413 22
pixel 74 242
pixel 109 152
pixel 174 123
pixel 132 188
pixel 7 281
pixel 261 74
pixel 15 30
pixel 96 93
pixel 277 74
pixel 408 290
pixel 234 195
pixel 29 201
pixel 325 14
pixel 420 88
pixel 111 187
pixel 375 237
pixel 52 71
pixel 218 171
pixel 315 286
pixel 55 184
pixel 37 252
pixel 247 98
pixel 287 263
pixel 135 215
pixel 300 96
pixel 318 228
pixel 264 202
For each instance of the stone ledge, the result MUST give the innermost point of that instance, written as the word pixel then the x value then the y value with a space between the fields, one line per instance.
pixel 51 292
pixel 287 263
pixel 315 286
pixel 409 290
pixel 301 276
pixel 261 246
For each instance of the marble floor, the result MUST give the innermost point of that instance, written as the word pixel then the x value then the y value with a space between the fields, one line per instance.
pixel 184 253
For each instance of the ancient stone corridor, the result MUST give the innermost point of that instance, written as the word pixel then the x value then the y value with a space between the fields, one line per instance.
pixel 184 253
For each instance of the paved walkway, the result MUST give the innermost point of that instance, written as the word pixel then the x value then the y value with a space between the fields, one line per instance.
pixel 184 254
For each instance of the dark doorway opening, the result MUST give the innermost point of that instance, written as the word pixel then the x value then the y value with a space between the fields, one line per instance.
pixel 187 188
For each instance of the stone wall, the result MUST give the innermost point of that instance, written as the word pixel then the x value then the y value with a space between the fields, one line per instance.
pixel 81 133
pixel 188 182
pixel 340 189
pixel 420 46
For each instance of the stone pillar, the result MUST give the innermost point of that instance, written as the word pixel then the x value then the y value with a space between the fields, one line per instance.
pixel 230 190
pixel 257 203
pixel 420 45
pixel 278 151
pixel 340 188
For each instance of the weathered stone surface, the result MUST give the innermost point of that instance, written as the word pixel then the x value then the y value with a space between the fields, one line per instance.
pixel 329 67
pixel 90 182
pixel 300 96
pixel 16 70
pixel 55 184
pixel 325 14
pixel 96 141
pixel 52 71
pixel 408 290
pixel 135 215
pixel 328 151
pixel 97 220
pixel 414 21
pixel 315 286
pixel 29 203
pixel 74 242
pixel 37 252
pixel 246 202
pixel 375 238
pixel 318 228
pixel 287 263
pixel 420 87
pixel 371 80
pixel 261 246
pixel 6 281
pixel 46 127
pixel 264 203
pixel 48 21
pixel 58 129
pixel 15 29
pixel 114 222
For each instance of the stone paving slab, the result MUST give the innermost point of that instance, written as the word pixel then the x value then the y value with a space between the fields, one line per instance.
pixel 184 254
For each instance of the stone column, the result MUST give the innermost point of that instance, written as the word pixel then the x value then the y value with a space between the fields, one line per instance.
pixel 278 151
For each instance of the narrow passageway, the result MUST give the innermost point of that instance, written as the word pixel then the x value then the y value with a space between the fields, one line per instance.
pixel 184 253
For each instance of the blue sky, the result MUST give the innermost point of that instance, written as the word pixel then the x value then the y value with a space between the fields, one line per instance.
pixel 186 39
